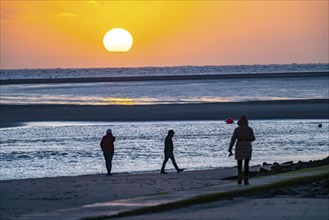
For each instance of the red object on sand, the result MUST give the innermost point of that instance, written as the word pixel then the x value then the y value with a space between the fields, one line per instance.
pixel 229 121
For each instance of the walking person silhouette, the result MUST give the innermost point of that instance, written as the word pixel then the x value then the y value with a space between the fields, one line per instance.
pixel 107 145
pixel 243 136
pixel 169 153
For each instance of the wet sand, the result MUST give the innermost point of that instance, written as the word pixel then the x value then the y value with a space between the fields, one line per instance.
pixel 11 115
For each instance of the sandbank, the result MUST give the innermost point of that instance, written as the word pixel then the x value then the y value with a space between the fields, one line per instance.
pixel 165 77
pixel 11 115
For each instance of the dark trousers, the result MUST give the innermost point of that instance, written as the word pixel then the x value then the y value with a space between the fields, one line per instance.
pixel 108 161
pixel 167 156
pixel 246 166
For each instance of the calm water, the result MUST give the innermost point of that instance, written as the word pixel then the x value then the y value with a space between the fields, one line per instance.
pixel 65 149
pixel 165 92
pixel 71 148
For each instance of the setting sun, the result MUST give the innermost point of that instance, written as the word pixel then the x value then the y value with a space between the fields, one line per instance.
pixel 161 33
pixel 118 40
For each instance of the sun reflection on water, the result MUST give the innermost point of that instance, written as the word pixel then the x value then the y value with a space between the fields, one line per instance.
pixel 119 101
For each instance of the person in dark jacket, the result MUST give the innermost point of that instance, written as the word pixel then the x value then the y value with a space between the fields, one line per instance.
pixel 169 153
pixel 107 145
pixel 243 136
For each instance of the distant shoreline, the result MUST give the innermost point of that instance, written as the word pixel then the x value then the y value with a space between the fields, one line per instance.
pixel 14 115
pixel 164 77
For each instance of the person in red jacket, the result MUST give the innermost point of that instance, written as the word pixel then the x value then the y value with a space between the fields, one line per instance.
pixel 107 145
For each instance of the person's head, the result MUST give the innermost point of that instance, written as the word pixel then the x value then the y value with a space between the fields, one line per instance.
pixel 171 132
pixel 109 131
pixel 243 121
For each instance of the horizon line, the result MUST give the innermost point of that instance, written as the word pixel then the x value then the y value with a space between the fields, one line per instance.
pixel 174 66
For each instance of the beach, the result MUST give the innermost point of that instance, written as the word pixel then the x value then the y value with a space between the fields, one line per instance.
pixel 281 109
pixel 31 196
pixel 20 197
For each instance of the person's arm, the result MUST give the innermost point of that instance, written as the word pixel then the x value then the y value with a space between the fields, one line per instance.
pixel 102 142
pixel 252 136
pixel 233 139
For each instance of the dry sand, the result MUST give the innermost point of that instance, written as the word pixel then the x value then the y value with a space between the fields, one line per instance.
pixel 293 109
pixel 243 208
pixel 20 197
pixel 29 196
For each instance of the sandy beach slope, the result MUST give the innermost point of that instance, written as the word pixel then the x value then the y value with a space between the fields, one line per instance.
pixel 42 195
pixel 32 196
pixel 289 109
pixel 243 208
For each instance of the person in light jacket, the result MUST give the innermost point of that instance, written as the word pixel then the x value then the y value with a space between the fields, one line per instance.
pixel 243 136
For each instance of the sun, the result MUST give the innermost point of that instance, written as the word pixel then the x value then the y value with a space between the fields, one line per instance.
pixel 118 40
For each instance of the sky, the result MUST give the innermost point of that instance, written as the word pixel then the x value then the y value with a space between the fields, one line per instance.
pixel 69 34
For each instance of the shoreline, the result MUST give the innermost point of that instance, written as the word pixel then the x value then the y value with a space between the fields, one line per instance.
pixel 171 169
pixel 253 170
pixel 13 115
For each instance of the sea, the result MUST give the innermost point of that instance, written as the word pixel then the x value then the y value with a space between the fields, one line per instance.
pixel 52 149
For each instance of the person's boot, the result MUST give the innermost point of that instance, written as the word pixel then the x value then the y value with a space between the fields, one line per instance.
pixel 179 171
pixel 163 172
pixel 246 180
pixel 163 169
pixel 240 177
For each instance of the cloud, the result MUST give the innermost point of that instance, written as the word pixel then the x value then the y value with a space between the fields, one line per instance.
pixel 8 13
pixel 93 2
pixel 5 16
pixel 65 14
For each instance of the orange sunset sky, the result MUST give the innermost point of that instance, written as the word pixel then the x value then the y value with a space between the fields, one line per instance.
pixel 69 34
